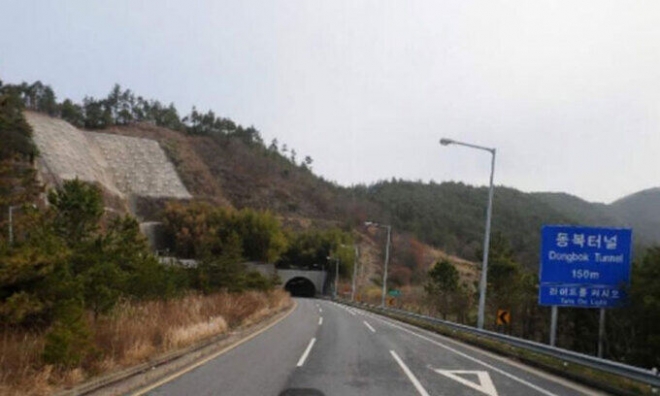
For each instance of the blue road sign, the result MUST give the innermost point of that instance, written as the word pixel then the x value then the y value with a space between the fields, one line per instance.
pixel 584 266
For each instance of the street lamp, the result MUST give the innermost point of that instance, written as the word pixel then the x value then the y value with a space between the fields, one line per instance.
pixel 489 212
pixel 387 255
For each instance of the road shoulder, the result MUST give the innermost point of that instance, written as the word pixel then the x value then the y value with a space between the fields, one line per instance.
pixel 169 366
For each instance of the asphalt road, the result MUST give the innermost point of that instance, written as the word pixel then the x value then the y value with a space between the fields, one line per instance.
pixel 323 348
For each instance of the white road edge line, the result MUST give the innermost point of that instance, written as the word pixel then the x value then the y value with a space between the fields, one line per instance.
pixel 369 326
pixel 306 353
pixel 481 362
pixel 320 320
pixel 530 370
pixel 410 375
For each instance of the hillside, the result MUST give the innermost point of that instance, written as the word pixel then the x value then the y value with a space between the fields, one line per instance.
pixel 638 211
pixel 451 216
pixel 641 211
pixel 227 164
pixel 228 171
pixel 584 212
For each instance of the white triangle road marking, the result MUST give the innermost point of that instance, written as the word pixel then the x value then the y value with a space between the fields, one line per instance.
pixel 485 385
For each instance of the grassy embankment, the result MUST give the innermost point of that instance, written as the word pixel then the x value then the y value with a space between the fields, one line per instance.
pixel 133 333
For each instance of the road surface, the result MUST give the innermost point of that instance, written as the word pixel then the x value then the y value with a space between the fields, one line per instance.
pixel 324 348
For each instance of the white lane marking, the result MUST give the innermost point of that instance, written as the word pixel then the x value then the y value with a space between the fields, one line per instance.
pixel 347 309
pixel 369 326
pixel 485 385
pixel 410 375
pixel 320 320
pixel 320 310
pixel 481 362
pixel 538 373
pixel 306 353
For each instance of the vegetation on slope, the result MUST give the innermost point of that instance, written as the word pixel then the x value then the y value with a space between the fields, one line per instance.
pixel 640 211
pixel 219 158
pixel 75 278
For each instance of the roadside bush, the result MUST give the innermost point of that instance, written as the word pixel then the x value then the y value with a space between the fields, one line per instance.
pixel 68 341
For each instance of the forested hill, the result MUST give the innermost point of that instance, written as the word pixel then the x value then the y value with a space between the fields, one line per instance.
pixel 638 211
pixel 221 161
pixel 641 211
pixel 451 215
pixel 596 214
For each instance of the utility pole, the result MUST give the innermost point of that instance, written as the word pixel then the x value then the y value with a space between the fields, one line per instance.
pixel 336 275
pixel 387 256
pixel 355 265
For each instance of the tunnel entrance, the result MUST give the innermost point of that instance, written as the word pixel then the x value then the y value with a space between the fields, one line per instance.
pixel 300 287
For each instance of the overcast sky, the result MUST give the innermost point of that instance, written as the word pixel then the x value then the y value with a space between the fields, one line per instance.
pixel 567 91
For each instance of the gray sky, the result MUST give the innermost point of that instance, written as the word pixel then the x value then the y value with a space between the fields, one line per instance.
pixel 568 91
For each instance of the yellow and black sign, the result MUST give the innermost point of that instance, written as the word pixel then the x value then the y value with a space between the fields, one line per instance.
pixel 503 317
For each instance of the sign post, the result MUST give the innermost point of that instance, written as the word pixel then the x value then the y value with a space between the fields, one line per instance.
pixel 553 325
pixel 584 267
pixel 601 332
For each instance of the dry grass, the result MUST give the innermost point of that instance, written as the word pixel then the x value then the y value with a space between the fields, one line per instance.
pixel 132 334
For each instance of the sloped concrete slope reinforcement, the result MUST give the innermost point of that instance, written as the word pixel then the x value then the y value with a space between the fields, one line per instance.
pixel 123 165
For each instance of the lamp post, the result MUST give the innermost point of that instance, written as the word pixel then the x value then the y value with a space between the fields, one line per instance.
pixel 387 256
pixel 489 212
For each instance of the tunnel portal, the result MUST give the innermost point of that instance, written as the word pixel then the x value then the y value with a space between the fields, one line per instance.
pixel 300 287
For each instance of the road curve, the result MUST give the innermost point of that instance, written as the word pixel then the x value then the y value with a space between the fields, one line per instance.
pixel 326 349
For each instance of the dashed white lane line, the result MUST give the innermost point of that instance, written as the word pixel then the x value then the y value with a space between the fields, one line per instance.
pixel 320 320
pixel 320 310
pixel 410 375
pixel 369 326
pixel 306 353
pixel 465 355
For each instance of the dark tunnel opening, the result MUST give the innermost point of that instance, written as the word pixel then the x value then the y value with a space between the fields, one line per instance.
pixel 300 287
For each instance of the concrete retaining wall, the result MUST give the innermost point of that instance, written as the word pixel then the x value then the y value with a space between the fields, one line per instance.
pixel 123 165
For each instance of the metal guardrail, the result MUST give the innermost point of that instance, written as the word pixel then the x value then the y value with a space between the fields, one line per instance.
pixel 649 377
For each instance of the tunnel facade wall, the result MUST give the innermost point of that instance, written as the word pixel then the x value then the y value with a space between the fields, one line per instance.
pixel 316 277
